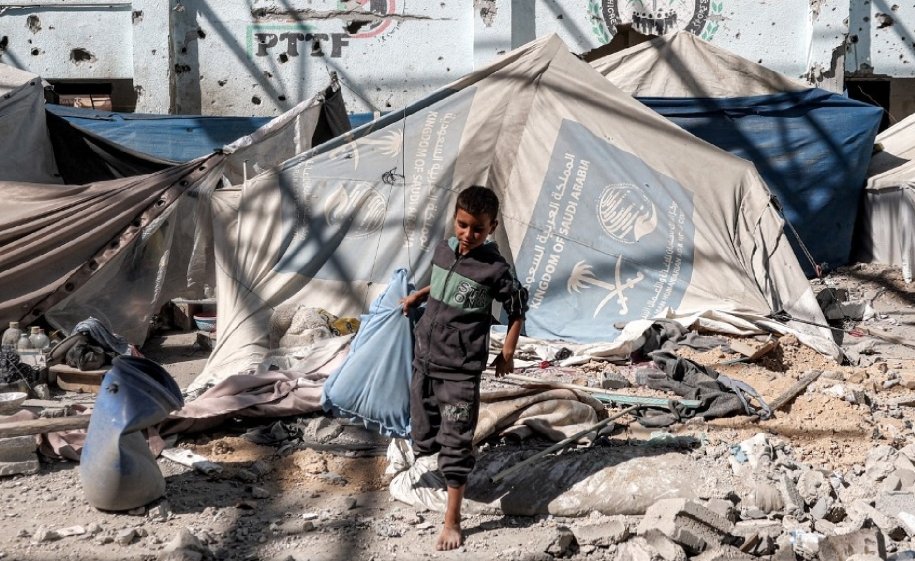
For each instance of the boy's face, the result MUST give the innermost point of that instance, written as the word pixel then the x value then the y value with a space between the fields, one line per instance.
pixel 471 230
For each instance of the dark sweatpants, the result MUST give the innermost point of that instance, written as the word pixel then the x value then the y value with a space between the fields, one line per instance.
pixel 443 417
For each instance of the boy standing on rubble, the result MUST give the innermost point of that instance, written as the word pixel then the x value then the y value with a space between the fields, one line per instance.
pixel 452 344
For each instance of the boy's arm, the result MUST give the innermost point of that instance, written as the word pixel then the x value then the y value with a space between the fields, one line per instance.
pixel 505 360
pixel 414 298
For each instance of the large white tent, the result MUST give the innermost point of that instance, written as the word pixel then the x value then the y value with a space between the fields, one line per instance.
pixel 610 213
pixel 886 225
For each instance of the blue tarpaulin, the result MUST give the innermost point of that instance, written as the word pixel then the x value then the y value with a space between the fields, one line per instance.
pixel 373 383
pixel 811 147
pixel 178 138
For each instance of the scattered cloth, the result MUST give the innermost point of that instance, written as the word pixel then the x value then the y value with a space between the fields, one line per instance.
pixel 719 396
pixel 554 414
pixel 102 335
pixel 664 334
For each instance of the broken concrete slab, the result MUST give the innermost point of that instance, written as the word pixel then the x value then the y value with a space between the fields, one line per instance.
pixel 17 448
pixel 864 541
pixel 19 468
pixel 686 522
pixel 892 503
pixel 724 553
pixel 604 534
pixel 889 525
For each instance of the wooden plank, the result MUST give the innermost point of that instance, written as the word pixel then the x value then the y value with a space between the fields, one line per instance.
pixel 794 390
pixel 41 426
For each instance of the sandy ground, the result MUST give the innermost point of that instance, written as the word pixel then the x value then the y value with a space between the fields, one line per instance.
pixel 291 501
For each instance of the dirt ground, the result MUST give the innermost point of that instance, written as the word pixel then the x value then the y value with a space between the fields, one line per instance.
pixel 292 501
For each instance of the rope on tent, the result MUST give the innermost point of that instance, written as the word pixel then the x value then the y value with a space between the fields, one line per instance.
pixel 817 268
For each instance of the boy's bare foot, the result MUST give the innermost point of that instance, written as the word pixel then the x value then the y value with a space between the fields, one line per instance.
pixel 450 538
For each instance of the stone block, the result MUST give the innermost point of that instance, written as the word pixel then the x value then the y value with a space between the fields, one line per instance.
pixel 686 522
pixel 603 535
pixel 824 527
pixel 864 541
pixel 18 468
pixel 17 448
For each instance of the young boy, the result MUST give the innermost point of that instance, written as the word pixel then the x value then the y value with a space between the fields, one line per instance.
pixel 452 344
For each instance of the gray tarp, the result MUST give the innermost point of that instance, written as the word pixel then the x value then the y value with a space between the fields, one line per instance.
pixel 24 142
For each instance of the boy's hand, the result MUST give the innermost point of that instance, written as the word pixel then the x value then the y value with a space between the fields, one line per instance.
pixel 408 302
pixel 504 364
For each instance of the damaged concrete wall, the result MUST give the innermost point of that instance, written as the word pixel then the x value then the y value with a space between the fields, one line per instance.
pixel 259 58
pixel 881 39
pixel 231 58
pixel 89 42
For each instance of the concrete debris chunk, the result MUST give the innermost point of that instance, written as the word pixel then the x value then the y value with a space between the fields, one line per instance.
pixel 126 537
pixel 636 549
pixel 603 535
pixel 757 537
pixel 186 540
pixel 71 531
pixel 908 522
pixel 43 534
pixel 813 485
pixel 19 468
pixel 724 553
pixel 768 498
pixel 794 503
pixel 889 525
pixel 723 507
pixel 17 448
pixel 664 546
pixel 865 541
pixel 686 522
pixel 562 543
pixel 891 504
pixel 161 511
pixel 880 462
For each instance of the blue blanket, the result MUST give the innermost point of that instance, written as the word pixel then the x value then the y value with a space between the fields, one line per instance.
pixel 373 383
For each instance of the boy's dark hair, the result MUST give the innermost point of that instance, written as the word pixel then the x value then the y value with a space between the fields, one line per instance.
pixel 477 200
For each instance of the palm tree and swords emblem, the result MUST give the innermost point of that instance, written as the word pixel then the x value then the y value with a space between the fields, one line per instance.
pixel 582 276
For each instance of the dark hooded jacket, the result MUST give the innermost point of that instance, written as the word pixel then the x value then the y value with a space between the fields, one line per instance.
pixel 452 337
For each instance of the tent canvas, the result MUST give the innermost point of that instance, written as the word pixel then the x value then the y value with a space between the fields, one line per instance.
pixel 608 213
pixel 24 141
pixel 811 146
pixel 118 249
pixel 174 255
pixel 886 225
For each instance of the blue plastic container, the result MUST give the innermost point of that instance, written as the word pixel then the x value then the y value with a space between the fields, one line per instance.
pixel 117 469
